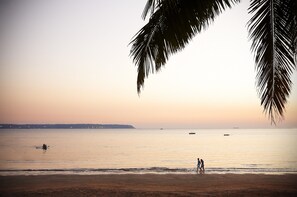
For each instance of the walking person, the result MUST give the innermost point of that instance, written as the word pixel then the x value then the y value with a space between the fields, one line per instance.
pixel 198 165
pixel 202 166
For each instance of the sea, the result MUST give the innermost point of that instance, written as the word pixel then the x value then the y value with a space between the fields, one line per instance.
pixel 142 151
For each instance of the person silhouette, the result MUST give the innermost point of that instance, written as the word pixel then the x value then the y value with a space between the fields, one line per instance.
pixel 198 165
pixel 202 166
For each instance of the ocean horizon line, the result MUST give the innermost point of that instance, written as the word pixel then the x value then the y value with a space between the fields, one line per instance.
pixel 66 126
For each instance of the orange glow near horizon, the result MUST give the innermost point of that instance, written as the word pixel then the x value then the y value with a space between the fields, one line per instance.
pixel 57 109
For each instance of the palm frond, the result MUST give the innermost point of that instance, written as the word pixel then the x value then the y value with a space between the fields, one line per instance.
pixel 150 6
pixel 291 23
pixel 272 37
pixel 172 25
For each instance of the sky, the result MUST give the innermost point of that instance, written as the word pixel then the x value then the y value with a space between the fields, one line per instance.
pixel 67 61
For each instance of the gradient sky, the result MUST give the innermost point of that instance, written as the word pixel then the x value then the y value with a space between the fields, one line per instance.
pixel 67 61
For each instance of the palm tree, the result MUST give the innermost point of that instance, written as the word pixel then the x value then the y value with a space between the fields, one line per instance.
pixel 272 29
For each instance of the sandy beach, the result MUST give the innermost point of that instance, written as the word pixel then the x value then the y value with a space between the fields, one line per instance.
pixel 150 185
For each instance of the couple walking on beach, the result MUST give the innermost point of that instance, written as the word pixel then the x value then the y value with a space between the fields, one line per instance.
pixel 200 166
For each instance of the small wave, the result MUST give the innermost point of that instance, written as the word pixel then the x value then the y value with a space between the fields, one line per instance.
pixel 151 170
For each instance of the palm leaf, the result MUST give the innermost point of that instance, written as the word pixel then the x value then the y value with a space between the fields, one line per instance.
pixel 150 6
pixel 172 25
pixel 272 30
pixel 291 23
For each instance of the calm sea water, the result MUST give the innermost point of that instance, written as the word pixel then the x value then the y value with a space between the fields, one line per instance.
pixel 91 151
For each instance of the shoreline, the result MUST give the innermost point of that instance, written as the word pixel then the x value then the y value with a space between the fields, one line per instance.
pixel 150 185
pixel 144 170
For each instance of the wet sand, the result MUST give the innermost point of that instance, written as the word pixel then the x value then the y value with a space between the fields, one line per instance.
pixel 150 185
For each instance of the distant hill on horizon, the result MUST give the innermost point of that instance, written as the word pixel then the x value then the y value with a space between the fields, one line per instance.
pixel 66 126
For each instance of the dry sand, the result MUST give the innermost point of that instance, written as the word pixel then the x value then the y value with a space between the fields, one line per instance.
pixel 150 185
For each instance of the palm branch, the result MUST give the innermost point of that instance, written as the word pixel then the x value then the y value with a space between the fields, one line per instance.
pixel 172 24
pixel 273 32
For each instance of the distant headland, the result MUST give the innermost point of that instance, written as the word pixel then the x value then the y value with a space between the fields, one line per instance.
pixel 66 126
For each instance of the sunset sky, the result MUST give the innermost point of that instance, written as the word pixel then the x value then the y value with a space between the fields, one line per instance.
pixel 67 61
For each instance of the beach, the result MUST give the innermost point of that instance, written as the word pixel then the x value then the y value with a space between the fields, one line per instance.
pixel 150 185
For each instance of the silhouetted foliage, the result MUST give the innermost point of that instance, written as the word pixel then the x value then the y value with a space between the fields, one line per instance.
pixel 272 29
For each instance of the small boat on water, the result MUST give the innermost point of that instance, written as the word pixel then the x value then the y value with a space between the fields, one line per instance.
pixel 44 147
pixel 226 134
pixel 192 133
